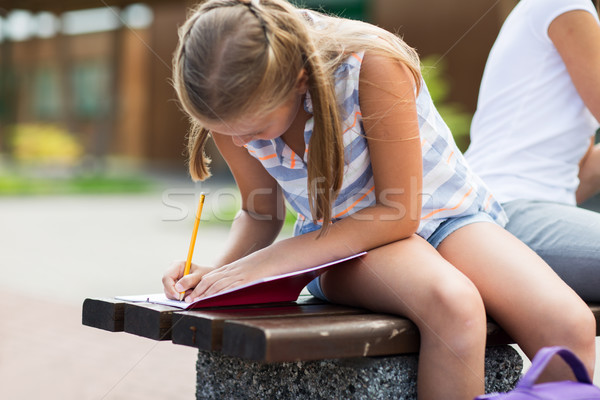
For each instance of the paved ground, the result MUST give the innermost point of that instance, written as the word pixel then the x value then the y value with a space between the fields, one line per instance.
pixel 45 353
pixel 56 251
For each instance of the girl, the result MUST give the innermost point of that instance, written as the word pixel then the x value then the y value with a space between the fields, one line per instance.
pixel 532 134
pixel 333 116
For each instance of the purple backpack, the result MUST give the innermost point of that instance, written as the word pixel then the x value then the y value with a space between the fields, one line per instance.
pixel 526 389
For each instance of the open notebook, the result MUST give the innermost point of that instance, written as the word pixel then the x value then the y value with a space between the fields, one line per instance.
pixel 280 288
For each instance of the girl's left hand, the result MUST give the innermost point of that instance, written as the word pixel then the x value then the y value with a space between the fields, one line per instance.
pixel 238 273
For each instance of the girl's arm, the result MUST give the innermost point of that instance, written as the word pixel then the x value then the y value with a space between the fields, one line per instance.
pixel 576 36
pixel 263 210
pixel 387 98
pixel 256 226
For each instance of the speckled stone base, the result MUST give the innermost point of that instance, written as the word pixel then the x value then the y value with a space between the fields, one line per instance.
pixel 221 377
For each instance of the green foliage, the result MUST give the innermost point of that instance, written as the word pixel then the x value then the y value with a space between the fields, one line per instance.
pixel 44 144
pixel 454 114
pixel 46 159
pixel 19 185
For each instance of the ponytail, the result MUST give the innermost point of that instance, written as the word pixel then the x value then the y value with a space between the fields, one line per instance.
pixel 326 148
pixel 198 161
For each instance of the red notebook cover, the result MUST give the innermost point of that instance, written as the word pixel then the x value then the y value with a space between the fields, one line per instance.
pixel 280 288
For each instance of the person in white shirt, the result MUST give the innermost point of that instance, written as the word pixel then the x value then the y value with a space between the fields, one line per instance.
pixel 532 136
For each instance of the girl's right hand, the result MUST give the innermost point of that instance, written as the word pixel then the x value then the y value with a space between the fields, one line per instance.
pixel 174 282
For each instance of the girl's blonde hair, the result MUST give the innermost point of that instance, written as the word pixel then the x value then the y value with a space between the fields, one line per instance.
pixel 238 58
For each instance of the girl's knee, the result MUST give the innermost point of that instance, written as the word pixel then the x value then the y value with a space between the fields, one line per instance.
pixel 457 313
pixel 460 299
pixel 581 324
pixel 576 329
pixel 579 334
pixel 576 323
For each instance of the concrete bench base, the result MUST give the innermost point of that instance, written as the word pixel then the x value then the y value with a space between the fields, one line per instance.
pixel 223 377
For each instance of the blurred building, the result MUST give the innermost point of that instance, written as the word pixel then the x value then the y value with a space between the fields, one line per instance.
pixel 104 73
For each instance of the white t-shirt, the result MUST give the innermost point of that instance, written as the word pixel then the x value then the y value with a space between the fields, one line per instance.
pixel 531 128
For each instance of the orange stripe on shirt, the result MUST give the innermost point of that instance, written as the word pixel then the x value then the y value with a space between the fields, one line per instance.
pixel 487 202
pixel 293 164
pixel 268 157
pixel 355 203
pixel 449 209
pixel 449 157
pixel 357 57
pixel 356 114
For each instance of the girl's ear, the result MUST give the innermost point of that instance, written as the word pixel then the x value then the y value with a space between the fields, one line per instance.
pixel 302 82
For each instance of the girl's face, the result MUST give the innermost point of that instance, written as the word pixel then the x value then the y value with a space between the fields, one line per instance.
pixel 267 126
pixel 254 127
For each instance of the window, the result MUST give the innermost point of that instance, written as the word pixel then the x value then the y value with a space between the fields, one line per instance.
pixel 46 97
pixel 91 89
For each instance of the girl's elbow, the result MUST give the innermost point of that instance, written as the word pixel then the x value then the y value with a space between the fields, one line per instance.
pixel 405 221
pixel 411 220
pixel 410 229
pixel 406 228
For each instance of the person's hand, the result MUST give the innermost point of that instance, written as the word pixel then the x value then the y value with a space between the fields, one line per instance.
pixel 238 273
pixel 174 282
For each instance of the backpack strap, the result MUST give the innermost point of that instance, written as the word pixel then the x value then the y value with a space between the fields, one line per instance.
pixel 543 357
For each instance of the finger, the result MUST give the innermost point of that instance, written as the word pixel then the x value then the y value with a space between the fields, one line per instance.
pixel 175 270
pixel 208 279
pixel 218 287
pixel 188 282
pixel 197 292
pixel 170 278
pixel 200 290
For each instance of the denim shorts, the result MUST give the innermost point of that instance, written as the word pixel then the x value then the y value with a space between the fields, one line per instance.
pixel 442 232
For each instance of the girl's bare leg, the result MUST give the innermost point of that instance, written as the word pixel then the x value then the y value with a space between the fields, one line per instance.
pixel 411 279
pixel 522 293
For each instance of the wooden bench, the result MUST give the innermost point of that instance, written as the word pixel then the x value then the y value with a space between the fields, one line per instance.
pixel 294 336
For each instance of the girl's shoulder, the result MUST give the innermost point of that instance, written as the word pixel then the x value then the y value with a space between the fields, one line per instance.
pixel 369 64
pixel 381 69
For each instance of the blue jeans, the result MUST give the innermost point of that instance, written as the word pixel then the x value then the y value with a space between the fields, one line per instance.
pixel 566 237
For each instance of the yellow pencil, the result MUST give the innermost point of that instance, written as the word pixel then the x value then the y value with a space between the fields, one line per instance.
pixel 188 262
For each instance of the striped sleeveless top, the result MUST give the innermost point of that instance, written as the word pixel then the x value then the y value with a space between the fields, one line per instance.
pixel 450 188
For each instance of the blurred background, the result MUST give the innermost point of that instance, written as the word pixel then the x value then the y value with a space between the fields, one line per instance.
pixel 95 199
pixel 84 85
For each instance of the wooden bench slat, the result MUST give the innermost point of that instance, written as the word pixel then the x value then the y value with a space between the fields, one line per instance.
pixel 204 329
pixel 152 321
pixel 105 313
pixel 284 339
pixel 288 339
